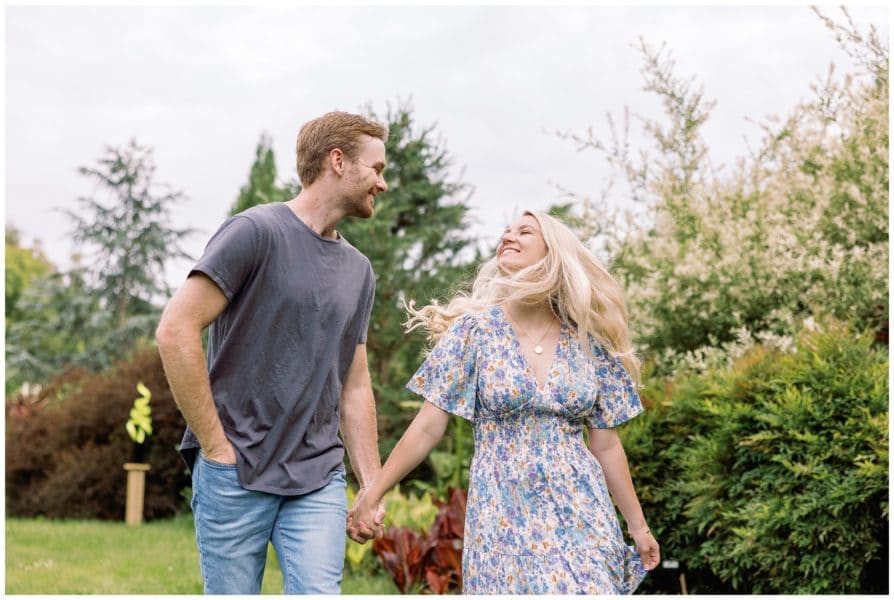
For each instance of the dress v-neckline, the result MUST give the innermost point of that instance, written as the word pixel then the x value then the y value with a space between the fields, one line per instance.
pixel 527 364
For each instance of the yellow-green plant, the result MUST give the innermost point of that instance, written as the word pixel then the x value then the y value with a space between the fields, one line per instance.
pixel 139 425
pixel 416 512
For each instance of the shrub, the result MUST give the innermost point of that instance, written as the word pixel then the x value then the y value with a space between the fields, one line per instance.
pixel 771 477
pixel 65 454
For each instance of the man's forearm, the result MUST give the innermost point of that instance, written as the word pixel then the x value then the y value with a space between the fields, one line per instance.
pixel 184 365
pixel 359 432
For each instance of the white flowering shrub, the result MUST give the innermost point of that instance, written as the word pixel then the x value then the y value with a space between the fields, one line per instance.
pixel 713 262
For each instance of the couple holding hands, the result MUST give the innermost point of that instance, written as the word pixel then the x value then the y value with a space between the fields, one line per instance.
pixel 536 354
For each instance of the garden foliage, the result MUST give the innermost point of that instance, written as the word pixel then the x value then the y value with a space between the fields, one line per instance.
pixel 431 561
pixel 416 513
pixel 716 260
pixel 65 453
pixel 772 477
pixel 97 311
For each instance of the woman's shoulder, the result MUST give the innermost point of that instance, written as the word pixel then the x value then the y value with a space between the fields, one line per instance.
pixel 476 321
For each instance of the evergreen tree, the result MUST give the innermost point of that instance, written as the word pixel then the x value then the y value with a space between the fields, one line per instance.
pixel 128 232
pixel 105 306
pixel 262 187
pixel 60 323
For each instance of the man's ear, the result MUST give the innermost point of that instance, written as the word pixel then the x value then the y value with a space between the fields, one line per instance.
pixel 337 161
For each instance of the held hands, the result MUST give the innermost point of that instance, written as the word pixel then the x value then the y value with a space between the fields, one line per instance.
pixel 648 549
pixel 365 519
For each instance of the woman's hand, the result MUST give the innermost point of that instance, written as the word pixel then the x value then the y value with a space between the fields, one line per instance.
pixel 365 518
pixel 648 549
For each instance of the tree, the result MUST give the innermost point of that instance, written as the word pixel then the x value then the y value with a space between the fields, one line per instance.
pixel 60 323
pixel 97 312
pixel 128 232
pixel 23 266
pixel 261 187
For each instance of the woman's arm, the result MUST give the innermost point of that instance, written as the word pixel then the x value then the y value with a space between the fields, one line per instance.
pixel 421 437
pixel 605 445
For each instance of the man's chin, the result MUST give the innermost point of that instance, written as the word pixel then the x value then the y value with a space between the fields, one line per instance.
pixel 363 212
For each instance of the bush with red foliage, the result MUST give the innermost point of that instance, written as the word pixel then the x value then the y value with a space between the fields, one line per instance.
pixel 429 564
pixel 65 453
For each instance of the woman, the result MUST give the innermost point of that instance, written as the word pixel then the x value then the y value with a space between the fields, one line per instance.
pixel 538 351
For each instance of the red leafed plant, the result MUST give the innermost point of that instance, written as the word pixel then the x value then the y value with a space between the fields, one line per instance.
pixel 429 564
pixel 401 551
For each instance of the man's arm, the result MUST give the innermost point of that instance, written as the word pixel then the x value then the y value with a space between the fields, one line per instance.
pixel 357 421
pixel 179 336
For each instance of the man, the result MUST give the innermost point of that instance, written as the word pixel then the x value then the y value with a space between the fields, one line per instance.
pixel 288 301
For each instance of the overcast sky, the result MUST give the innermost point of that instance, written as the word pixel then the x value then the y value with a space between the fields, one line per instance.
pixel 201 84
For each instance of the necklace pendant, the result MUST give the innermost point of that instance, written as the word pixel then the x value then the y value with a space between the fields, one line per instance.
pixel 538 349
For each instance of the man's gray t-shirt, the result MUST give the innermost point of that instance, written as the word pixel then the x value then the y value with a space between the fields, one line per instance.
pixel 279 353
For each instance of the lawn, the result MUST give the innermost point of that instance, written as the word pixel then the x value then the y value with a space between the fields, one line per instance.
pixel 99 557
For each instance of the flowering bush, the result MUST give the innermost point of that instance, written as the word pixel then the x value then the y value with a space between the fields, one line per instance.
pixel 724 261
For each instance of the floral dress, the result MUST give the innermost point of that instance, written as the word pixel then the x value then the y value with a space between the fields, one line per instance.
pixel 539 518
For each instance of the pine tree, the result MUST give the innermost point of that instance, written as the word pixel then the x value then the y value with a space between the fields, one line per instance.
pixel 127 233
pixel 262 187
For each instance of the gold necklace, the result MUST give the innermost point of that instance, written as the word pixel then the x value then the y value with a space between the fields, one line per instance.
pixel 538 349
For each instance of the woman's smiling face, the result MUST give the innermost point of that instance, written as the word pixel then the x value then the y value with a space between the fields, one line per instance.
pixel 521 245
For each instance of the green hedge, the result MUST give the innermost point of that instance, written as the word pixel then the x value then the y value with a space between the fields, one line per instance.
pixel 772 477
pixel 65 455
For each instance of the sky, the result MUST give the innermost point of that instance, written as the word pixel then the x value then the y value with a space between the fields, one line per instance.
pixel 201 84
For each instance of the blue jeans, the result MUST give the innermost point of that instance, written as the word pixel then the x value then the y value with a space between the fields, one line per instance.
pixel 233 526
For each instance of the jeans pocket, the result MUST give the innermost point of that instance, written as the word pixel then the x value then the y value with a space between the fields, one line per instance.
pixel 214 464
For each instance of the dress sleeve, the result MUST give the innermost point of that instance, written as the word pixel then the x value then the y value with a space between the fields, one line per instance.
pixel 617 400
pixel 448 377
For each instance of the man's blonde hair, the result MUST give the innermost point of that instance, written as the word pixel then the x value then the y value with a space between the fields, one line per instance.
pixel 579 288
pixel 320 136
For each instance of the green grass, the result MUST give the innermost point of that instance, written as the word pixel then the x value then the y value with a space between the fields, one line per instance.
pixel 100 557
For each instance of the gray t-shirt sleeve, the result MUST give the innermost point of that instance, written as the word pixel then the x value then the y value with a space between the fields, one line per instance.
pixel 231 255
pixel 367 309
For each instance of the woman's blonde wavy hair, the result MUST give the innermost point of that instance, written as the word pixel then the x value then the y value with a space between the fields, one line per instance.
pixel 580 289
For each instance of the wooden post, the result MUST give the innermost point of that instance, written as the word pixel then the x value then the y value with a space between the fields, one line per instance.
pixel 136 490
